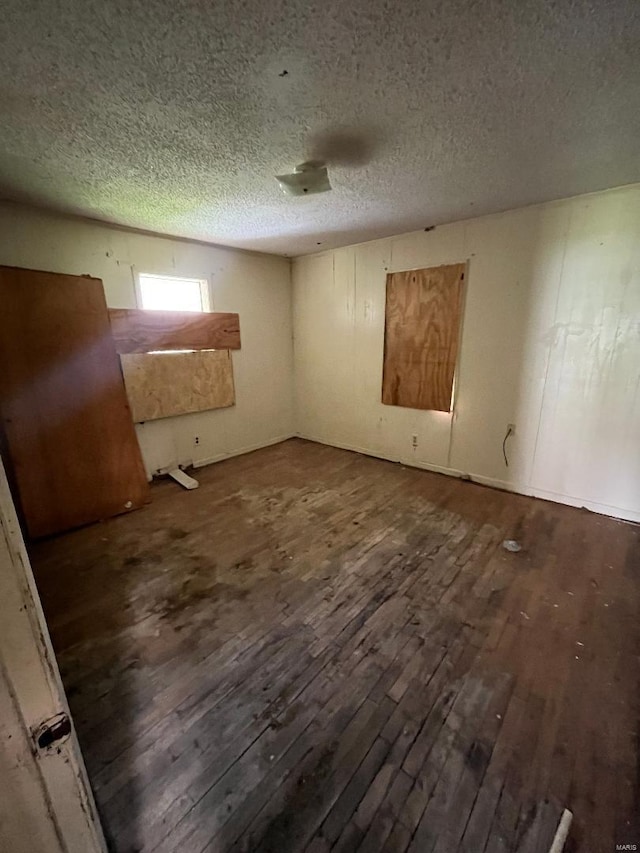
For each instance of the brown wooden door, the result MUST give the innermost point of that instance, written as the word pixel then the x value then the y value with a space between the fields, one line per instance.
pixel 69 438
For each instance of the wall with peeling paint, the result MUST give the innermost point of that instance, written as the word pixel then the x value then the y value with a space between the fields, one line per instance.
pixel 45 800
pixel 256 286
pixel 551 343
pixel 25 822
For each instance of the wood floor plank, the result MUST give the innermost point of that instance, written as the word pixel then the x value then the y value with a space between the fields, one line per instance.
pixel 321 651
pixel 381 827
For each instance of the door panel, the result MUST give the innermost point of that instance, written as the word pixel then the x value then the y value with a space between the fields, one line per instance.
pixel 45 800
pixel 71 443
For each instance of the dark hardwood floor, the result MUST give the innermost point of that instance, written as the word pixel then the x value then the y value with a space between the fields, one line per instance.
pixel 322 651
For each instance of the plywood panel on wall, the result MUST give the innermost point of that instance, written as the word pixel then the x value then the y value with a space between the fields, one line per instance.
pixel 67 431
pixel 163 384
pixel 422 327
pixel 135 330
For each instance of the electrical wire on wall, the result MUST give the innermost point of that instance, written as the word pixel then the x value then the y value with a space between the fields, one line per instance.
pixel 504 444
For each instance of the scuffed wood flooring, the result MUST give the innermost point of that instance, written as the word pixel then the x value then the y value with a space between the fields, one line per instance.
pixel 322 651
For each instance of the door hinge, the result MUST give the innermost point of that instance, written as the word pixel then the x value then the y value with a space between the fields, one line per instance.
pixel 52 731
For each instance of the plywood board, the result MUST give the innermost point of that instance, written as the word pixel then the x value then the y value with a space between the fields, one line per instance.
pixel 422 327
pixel 163 384
pixel 66 424
pixel 135 330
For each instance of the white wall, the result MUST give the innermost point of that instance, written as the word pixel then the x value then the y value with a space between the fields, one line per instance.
pixel 255 286
pixel 551 342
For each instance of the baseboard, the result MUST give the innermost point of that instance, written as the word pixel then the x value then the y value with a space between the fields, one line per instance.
pixel 240 451
pixel 570 500
pixel 410 462
pixel 593 506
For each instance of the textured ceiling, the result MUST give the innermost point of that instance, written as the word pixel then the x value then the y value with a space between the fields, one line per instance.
pixel 174 115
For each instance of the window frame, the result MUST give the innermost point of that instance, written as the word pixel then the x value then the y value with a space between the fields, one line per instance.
pixel 205 290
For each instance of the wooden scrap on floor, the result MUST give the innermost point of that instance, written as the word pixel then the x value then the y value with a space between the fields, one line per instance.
pixel 183 478
pixel 562 832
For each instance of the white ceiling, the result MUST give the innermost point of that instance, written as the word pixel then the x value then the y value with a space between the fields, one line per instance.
pixel 174 115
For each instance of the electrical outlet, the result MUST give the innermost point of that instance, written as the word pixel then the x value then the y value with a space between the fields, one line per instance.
pixel 414 440
pixel 511 428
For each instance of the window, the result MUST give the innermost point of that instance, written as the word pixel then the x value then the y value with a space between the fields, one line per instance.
pixel 170 293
